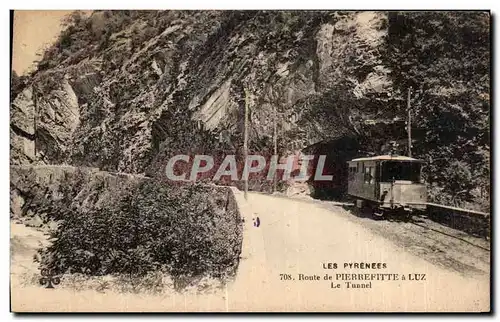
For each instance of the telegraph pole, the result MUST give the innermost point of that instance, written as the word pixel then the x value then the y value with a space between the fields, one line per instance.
pixel 409 123
pixel 245 142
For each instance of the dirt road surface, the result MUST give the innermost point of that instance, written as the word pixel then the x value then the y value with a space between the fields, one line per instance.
pixel 296 237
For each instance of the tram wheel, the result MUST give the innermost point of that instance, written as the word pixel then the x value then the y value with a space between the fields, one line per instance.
pixel 378 214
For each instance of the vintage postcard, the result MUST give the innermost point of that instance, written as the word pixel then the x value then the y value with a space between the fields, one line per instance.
pixel 250 161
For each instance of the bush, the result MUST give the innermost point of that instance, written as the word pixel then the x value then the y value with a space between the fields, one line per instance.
pixel 149 227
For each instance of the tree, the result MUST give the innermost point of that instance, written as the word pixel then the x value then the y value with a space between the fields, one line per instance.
pixel 444 56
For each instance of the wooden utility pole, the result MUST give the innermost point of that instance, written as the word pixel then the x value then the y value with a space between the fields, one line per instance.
pixel 408 128
pixel 275 142
pixel 245 142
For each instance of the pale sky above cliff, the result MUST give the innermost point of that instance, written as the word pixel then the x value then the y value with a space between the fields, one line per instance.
pixel 33 29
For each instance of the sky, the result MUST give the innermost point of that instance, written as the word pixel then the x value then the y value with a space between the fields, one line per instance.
pixel 32 31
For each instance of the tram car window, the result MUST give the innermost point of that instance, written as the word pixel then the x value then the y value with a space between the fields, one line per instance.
pixel 369 175
pixel 405 171
pixel 387 182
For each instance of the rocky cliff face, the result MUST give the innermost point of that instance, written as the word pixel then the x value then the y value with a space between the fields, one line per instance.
pixel 42 125
pixel 141 83
pixel 126 90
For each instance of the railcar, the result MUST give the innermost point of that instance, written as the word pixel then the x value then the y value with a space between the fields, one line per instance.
pixel 386 183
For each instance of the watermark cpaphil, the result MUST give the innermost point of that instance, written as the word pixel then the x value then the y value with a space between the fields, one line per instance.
pixel 230 167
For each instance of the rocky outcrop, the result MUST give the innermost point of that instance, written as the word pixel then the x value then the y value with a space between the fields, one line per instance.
pixel 154 81
pixel 22 128
pixel 42 124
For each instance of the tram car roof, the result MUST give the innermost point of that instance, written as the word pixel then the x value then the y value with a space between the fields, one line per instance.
pixel 387 158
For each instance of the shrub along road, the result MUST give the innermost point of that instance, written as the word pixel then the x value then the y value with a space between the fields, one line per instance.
pixel 293 238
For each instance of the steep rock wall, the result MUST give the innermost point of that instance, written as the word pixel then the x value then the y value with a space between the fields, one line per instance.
pixel 183 74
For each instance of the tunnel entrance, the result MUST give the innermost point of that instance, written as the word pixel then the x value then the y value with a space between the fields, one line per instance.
pixel 375 139
pixel 337 153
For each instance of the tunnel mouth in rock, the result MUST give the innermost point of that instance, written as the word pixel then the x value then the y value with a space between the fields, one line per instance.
pixel 337 152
